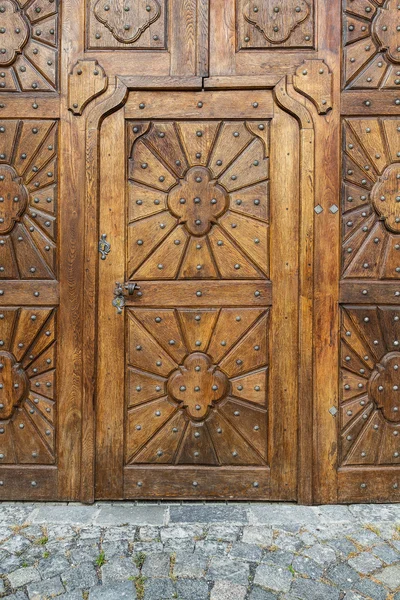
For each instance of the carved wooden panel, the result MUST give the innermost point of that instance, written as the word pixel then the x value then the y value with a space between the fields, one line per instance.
pixel 274 24
pixel 371 198
pixel 28 199
pixel 371 44
pixel 370 385
pixel 27 386
pixel 197 386
pixel 29 45
pixel 139 24
pixel 198 200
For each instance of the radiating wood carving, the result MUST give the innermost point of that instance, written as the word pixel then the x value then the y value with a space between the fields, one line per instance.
pixel 197 385
pixel 126 23
pixel 371 44
pixel 370 385
pixel 314 79
pixel 28 46
pixel 27 390
pixel 371 198
pixel 270 23
pixel 87 81
pixel 198 200
pixel 28 199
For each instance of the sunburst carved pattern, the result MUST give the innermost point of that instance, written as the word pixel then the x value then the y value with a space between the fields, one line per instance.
pixel 28 196
pixel 28 45
pixel 370 385
pixel 27 385
pixel 272 23
pixel 197 386
pixel 371 198
pixel 371 30
pixel 198 200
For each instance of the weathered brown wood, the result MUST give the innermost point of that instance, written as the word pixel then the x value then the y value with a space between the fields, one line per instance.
pixel 369 485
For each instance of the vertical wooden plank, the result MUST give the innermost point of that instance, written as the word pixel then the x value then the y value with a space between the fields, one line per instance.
pixel 183 34
pixel 327 263
pixel 111 344
pixel 222 38
pixel 283 391
pixel 71 209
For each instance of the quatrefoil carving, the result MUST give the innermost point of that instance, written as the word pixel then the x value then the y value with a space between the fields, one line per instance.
pixel 384 386
pixel 385 29
pixel 198 201
pixel 14 32
pixel 198 385
pixel 386 197
pixel 274 20
pixel 127 19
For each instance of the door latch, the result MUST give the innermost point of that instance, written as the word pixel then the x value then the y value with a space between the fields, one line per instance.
pixel 104 246
pixel 119 294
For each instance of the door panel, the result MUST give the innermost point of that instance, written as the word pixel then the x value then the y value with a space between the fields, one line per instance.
pixel 195 417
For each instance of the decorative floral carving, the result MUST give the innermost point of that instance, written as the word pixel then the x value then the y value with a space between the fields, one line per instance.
pixel 198 385
pixel 14 384
pixel 127 19
pixel 274 21
pixel 386 197
pixel 14 32
pixel 13 198
pixel 384 386
pixel 198 200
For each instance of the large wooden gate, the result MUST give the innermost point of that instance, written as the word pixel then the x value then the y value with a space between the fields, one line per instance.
pixel 199 242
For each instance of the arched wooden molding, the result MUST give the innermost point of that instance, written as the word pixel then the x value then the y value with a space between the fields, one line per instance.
pixel 87 81
pixel 313 78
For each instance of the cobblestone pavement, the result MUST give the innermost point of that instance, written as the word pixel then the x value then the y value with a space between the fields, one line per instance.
pixel 197 551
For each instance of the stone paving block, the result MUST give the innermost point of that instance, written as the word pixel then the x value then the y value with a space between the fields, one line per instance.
pixel 92 532
pixel 187 546
pixel 226 590
pixel 365 563
pixel 176 532
pixel 82 576
pixel 23 576
pixel 208 514
pixel 223 533
pixel 61 532
pixel 249 552
pixel 342 546
pixel 149 534
pixel 18 596
pixel 190 565
pixel 365 537
pixel 307 589
pixel 84 552
pixel 308 567
pixel 53 565
pixel 390 576
pixel 123 532
pixel 261 535
pixel 2 586
pixel 373 513
pixel 120 514
pixel 211 548
pixel 118 569
pixel 288 542
pixel 148 547
pixel 115 549
pixel 41 590
pixel 260 594
pixel 222 568
pixel 278 557
pixel 75 514
pixel 386 553
pixel 75 595
pixel 116 591
pixel 277 579
pixel 10 563
pixel 371 589
pixel 280 514
pixel 323 555
pixel 343 575
pixel 189 589
pixel 16 544
pixel 158 589
pixel 332 514
pixel 157 565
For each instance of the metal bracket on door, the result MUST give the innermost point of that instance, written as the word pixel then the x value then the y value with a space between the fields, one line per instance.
pixel 104 246
pixel 119 295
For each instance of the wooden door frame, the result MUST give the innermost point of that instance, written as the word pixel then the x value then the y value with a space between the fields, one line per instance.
pixel 303 110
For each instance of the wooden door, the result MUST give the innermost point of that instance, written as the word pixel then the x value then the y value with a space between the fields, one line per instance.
pixel 198 353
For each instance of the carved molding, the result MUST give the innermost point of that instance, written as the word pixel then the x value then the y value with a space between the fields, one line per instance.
pixel 87 81
pixel 313 78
